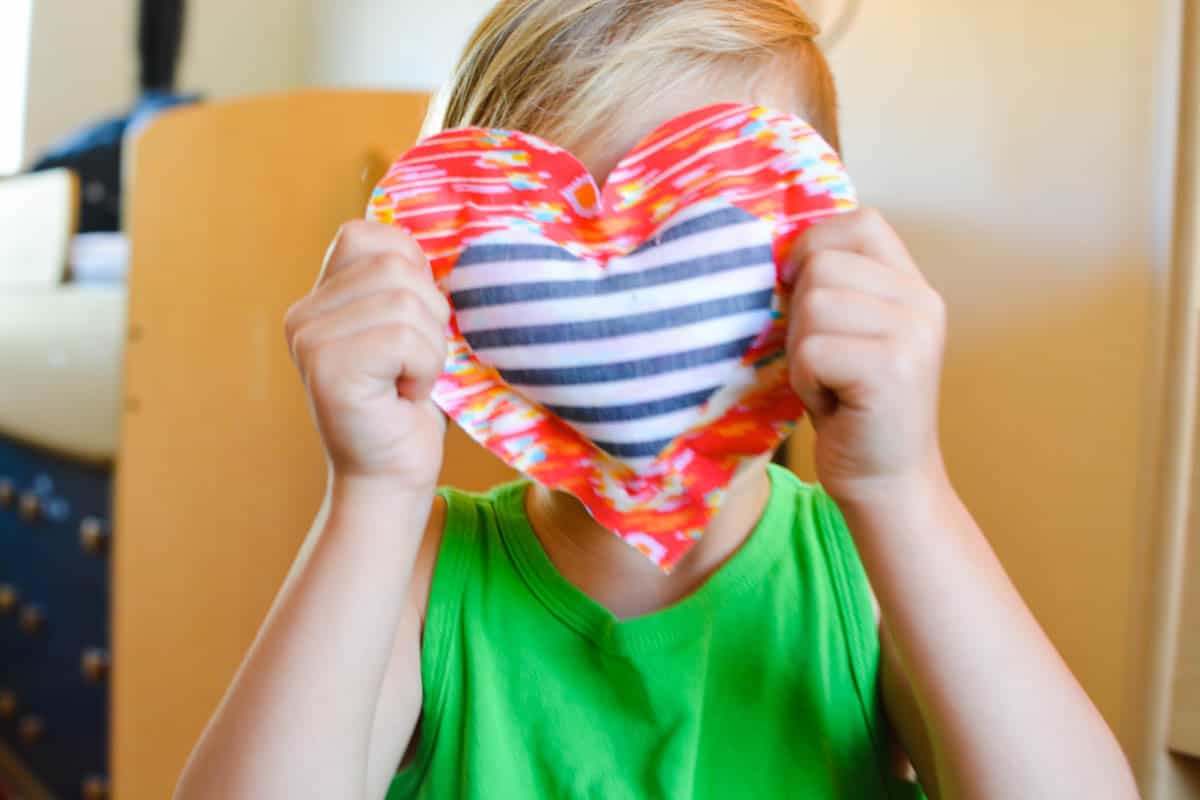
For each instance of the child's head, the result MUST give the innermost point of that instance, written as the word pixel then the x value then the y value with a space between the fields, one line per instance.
pixel 595 76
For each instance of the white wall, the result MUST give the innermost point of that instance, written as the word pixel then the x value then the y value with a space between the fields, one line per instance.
pixel 235 47
pixel 1020 147
pixel 407 44
pixel 16 19
pixel 82 66
pixel 83 59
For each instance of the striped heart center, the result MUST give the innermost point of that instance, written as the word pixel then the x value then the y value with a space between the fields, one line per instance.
pixel 631 353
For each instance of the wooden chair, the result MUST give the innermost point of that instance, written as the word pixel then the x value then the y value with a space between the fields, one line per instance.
pixel 219 471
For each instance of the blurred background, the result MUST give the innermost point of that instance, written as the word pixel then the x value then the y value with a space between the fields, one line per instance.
pixel 171 173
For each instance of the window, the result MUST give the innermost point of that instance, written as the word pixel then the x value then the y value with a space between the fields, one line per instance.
pixel 15 19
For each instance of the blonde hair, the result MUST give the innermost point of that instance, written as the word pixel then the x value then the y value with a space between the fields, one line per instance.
pixel 564 69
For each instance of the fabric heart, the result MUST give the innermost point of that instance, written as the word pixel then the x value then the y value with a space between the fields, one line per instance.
pixel 679 313
pixel 624 345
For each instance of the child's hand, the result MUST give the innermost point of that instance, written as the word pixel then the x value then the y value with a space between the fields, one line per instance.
pixel 369 341
pixel 865 352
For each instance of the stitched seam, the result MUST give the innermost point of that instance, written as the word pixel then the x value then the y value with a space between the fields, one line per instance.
pixel 449 575
pixel 836 561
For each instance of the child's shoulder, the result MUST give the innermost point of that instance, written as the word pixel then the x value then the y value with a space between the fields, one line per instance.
pixel 458 521
pixel 478 511
pixel 461 524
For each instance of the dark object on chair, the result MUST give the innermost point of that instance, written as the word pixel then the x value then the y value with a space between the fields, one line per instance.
pixel 94 153
pixel 160 34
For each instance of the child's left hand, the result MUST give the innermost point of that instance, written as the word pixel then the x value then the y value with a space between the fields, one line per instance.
pixel 865 349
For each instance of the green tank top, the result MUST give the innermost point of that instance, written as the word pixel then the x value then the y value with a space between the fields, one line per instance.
pixel 762 684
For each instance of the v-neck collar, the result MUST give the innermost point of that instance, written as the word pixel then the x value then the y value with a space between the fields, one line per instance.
pixel 678 623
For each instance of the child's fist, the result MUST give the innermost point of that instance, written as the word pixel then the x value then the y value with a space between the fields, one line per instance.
pixel 865 351
pixel 369 341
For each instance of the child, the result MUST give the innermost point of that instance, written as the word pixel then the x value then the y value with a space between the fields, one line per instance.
pixel 506 646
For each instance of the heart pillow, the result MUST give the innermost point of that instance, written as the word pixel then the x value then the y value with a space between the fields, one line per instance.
pixel 622 344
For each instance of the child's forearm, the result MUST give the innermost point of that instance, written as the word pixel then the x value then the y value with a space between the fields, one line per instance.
pixel 1003 713
pixel 296 721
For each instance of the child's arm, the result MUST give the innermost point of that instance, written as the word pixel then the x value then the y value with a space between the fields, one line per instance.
pixel 996 713
pixel 297 720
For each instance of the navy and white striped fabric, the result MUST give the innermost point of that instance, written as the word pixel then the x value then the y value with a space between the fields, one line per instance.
pixel 627 354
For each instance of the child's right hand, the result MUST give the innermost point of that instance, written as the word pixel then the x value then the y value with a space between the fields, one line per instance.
pixel 369 342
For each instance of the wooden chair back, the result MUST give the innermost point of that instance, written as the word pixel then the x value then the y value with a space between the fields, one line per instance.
pixel 219 470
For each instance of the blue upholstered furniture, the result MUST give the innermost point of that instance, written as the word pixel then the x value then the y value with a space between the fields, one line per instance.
pixel 54 599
